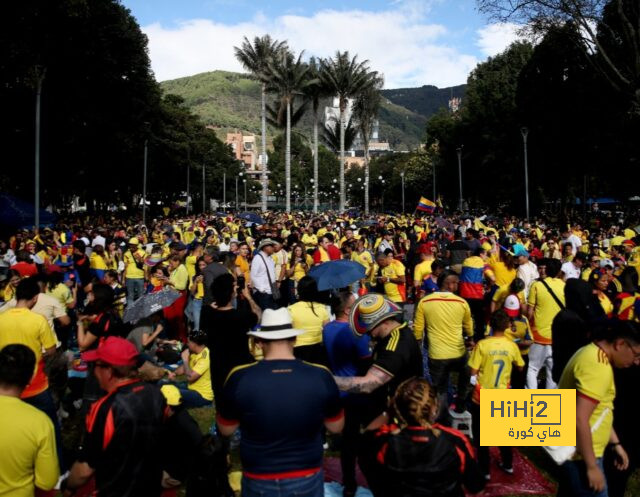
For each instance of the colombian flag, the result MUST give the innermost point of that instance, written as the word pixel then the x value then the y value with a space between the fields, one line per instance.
pixel 426 205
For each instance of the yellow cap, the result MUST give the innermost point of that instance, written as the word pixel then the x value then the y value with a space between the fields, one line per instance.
pixel 172 394
pixel 133 241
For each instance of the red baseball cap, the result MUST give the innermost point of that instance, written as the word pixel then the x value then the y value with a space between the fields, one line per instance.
pixel 115 351
pixel 426 248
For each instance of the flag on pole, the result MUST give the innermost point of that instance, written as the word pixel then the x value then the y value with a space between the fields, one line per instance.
pixel 426 205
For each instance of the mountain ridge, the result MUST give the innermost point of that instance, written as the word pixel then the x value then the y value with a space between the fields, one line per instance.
pixel 231 101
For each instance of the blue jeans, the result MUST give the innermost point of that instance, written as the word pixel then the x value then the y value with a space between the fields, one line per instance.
pixel 44 402
pixel 135 289
pixel 196 309
pixel 574 481
pixel 307 486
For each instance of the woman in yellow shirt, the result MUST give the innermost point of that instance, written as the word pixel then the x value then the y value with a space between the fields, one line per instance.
pixel 197 292
pixel 503 267
pixel 309 315
pixel 9 291
pixel 599 282
pixel 97 262
pixel 297 268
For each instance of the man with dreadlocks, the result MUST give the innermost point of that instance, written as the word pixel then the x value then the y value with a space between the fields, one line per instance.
pixel 417 457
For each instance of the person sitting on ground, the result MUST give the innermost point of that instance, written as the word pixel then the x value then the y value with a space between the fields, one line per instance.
pixel 196 367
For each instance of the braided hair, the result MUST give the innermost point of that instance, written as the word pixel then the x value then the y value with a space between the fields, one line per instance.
pixel 414 402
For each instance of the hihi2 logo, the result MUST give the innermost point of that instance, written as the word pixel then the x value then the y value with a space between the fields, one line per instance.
pixel 527 417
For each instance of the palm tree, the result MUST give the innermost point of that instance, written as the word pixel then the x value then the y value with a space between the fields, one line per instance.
pixel 365 111
pixel 255 58
pixel 314 93
pixel 346 78
pixel 331 135
pixel 287 77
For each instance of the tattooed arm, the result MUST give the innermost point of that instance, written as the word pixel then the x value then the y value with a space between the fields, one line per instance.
pixel 374 378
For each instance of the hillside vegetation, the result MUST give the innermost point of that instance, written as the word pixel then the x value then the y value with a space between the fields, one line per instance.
pixel 231 101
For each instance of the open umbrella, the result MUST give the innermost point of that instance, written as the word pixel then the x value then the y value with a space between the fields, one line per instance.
pixel 149 304
pixel 252 217
pixel 336 274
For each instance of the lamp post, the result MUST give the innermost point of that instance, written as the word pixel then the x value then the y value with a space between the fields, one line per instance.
pixel 240 174
pixel 459 152
pixel 144 185
pixel 382 203
pixel 244 182
pixel 204 193
pixel 40 72
pixel 525 132
pixel 402 181
pixel 224 189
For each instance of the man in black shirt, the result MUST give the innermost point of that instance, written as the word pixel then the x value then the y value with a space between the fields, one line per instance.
pixel 121 443
pixel 396 353
pixel 457 252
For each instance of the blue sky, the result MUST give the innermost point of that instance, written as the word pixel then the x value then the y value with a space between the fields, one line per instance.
pixel 413 42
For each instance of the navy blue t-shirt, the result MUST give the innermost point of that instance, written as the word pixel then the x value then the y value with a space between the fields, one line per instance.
pixel 344 348
pixel 281 406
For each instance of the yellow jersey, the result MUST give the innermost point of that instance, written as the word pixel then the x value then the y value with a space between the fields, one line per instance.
pixel 309 317
pixel 131 269
pixel 494 358
pixel 545 307
pixel 29 459
pixel 591 374
pixel 422 272
pixel 201 363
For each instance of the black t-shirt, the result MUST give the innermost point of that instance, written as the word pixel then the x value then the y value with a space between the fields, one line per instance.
pixel 281 406
pixel 122 441
pixel 398 355
pixel 106 324
pixel 459 252
pixel 227 340
pixel 417 462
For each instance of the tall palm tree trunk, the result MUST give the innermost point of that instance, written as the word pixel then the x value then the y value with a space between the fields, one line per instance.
pixel 366 178
pixel 263 116
pixel 287 158
pixel 342 189
pixel 315 163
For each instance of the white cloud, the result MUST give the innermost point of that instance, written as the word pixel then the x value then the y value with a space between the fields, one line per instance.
pixel 400 43
pixel 495 38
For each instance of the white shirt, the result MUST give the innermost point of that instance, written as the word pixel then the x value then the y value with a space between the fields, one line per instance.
pixel 570 270
pixel 260 279
pixel 99 240
pixel 528 273
pixel 575 242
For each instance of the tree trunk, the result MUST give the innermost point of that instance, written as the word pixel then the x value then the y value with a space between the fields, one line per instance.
pixel 287 158
pixel 263 116
pixel 366 177
pixel 315 162
pixel 342 189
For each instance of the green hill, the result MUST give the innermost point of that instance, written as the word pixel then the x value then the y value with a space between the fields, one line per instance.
pixel 426 100
pixel 231 101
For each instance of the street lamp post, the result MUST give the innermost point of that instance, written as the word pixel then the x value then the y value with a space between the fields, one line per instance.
pixel 204 193
pixel 144 185
pixel 244 182
pixel 40 72
pixel 224 189
pixel 525 132
pixel 402 181
pixel 459 152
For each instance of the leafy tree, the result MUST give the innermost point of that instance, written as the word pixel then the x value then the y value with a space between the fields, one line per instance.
pixel 255 59
pixel 607 32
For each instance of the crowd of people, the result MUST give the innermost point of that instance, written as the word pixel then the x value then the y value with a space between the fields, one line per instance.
pixel 446 306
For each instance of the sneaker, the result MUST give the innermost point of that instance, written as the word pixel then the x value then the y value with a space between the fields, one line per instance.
pixel 487 477
pixel 509 471
pixel 455 413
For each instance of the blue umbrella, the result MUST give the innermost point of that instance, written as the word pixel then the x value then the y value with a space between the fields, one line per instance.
pixel 252 217
pixel 336 274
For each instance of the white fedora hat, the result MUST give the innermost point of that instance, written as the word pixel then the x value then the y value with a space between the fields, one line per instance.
pixel 276 325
